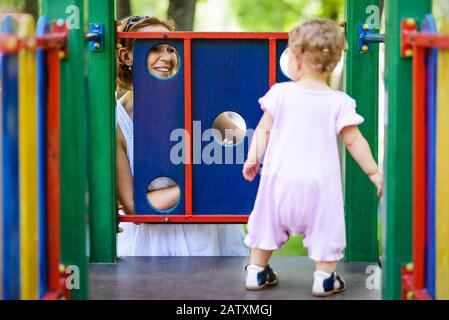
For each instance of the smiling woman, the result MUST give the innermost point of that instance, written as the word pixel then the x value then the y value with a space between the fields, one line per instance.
pixel 163 61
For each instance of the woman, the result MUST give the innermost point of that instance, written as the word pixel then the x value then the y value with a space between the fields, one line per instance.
pixel 157 239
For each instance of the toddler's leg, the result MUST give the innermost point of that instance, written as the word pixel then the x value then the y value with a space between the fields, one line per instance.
pixel 259 274
pixel 326 281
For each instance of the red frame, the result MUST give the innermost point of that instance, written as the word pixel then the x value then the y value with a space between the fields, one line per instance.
pixel 414 281
pixel 189 217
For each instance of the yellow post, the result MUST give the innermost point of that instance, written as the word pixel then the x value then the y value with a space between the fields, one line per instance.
pixel 442 174
pixel 28 162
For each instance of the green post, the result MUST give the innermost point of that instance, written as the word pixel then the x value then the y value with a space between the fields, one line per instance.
pixel 361 81
pixel 101 84
pixel 73 143
pixel 398 145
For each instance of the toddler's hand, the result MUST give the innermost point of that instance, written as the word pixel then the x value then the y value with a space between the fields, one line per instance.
pixel 378 180
pixel 250 170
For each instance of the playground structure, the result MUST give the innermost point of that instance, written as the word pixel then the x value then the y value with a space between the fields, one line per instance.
pixel 48 165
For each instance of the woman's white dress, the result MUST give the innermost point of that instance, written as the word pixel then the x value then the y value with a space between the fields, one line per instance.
pixel 174 239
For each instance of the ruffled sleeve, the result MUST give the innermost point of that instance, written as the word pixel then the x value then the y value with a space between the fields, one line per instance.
pixel 347 115
pixel 269 102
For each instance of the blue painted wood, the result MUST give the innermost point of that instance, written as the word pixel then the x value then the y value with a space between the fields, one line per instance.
pixel 281 45
pixel 10 174
pixel 158 110
pixel 41 29
pixel 429 25
pixel 228 75
pixel 222 80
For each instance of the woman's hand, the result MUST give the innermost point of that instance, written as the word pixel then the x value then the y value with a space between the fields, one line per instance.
pixel 378 180
pixel 250 169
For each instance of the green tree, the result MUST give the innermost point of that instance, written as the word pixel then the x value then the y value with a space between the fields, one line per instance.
pixel 282 15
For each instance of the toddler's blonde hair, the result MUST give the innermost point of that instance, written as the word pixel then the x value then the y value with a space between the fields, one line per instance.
pixel 320 41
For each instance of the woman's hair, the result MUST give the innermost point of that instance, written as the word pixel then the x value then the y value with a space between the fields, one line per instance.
pixel 133 23
pixel 320 41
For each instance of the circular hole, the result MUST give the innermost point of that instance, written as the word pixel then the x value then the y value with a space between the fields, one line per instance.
pixel 230 128
pixel 163 61
pixel 283 62
pixel 163 194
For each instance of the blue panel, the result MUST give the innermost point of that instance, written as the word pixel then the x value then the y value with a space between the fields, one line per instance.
pixel 429 25
pixel 10 174
pixel 41 29
pixel 158 110
pixel 281 45
pixel 228 75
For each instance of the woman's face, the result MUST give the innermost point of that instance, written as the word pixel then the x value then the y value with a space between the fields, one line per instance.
pixel 162 59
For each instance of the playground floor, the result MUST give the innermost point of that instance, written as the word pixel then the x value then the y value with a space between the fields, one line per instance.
pixel 215 278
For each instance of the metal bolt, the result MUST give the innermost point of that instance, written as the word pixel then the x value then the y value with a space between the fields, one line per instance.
pixel 409 53
pixel 60 22
pixel 365 27
pixel 411 22
pixel 97 45
pixel 31 43
pixel 97 26
pixel 61 54
pixel 365 49
pixel 12 44
pixel 409 267
pixel 410 295
pixel 61 268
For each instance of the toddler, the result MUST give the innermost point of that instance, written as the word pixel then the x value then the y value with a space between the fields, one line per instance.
pixel 300 191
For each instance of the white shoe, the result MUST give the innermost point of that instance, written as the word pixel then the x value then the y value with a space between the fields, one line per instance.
pixel 326 284
pixel 258 278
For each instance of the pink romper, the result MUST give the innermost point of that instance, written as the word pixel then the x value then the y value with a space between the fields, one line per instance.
pixel 300 190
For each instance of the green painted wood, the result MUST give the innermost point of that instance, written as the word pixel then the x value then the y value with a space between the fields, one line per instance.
pixel 74 206
pixel 397 250
pixel 361 83
pixel 101 88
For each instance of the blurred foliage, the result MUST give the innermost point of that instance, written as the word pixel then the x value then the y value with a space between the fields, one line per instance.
pixel 282 15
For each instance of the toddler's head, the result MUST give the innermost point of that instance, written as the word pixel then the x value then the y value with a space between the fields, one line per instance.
pixel 315 47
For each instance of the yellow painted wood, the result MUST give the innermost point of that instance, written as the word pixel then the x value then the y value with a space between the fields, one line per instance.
pixel 442 175
pixel 28 164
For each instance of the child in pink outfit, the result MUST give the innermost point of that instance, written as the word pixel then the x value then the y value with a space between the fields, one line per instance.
pixel 300 191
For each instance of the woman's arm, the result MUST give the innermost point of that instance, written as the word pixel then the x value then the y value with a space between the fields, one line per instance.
pixel 164 199
pixel 359 148
pixel 125 187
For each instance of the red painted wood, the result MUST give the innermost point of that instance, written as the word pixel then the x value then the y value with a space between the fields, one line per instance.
pixel 188 125
pixel 273 61
pixel 419 166
pixel 426 40
pixel 53 168
pixel 184 219
pixel 202 35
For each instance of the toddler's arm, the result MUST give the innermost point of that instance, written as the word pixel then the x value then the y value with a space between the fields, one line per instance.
pixel 258 146
pixel 360 151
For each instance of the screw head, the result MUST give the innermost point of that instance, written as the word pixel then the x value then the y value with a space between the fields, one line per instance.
pixel 166 219
pixel 411 22
pixel 61 268
pixel 119 45
pixel 60 22
pixel 31 43
pixel 409 53
pixel 12 44
pixel 410 295
pixel 365 27
pixel 365 49
pixel 97 45
pixel 61 54
pixel 409 267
